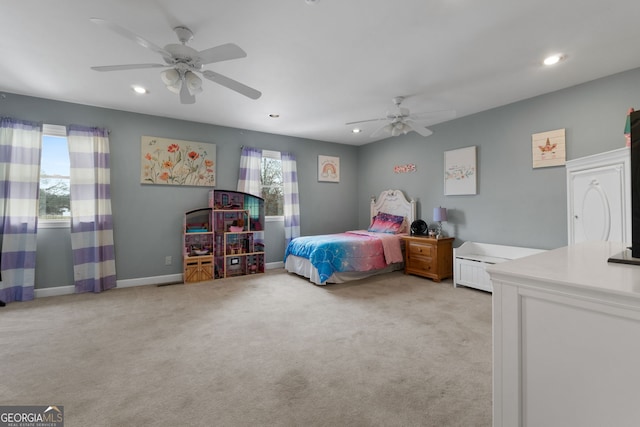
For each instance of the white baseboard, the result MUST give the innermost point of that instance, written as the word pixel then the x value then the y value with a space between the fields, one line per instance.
pixel 128 283
pixel 53 292
pixel 125 283
pixel 274 265
pixel 155 280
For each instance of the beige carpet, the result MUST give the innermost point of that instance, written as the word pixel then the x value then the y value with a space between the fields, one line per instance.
pixel 265 350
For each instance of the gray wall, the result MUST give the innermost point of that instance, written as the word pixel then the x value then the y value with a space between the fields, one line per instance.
pixel 516 204
pixel 148 218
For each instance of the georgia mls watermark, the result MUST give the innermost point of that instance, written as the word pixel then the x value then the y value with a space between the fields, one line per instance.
pixel 32 416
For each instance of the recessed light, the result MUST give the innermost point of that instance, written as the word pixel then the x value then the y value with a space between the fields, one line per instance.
pixel 139 89
pixel 356 130
pixel 553 59
pixel 274 116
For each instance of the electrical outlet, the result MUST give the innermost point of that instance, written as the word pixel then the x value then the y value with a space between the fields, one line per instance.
pixel 167 260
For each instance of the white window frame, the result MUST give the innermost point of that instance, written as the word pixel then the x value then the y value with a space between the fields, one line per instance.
pixel 273 155
pixel 60 131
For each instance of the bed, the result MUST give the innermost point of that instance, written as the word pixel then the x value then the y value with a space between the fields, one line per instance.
pixel 356 254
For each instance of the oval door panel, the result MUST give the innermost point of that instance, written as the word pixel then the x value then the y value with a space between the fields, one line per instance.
pixel 595 213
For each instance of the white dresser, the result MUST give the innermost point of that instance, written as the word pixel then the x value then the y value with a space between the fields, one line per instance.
pixel 566 339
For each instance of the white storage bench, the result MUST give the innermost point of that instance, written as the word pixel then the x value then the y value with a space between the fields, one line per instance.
pixel 471 260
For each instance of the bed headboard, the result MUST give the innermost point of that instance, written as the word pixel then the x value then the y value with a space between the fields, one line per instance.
pixel 394 202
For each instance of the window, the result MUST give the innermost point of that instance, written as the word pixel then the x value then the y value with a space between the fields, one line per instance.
pixel 272 183
pixel 53 201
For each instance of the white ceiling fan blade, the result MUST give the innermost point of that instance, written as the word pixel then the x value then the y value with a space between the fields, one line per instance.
pixel 418 128
pixel 232 84
pixel 377 132
pixel 185 95
pixel 127 67
pixel 440 115
pixel 131 36
pixel 220 53
pixel 365 121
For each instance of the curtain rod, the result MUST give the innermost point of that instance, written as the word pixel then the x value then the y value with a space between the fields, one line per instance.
pixel 61 130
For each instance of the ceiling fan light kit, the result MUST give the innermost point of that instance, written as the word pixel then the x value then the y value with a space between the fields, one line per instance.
pixel 183 62
pixel 397 128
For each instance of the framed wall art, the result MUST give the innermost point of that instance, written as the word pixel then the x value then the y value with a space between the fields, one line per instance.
pixel 460 173
pixel 548 148
pixel 328 169
pixel 175 162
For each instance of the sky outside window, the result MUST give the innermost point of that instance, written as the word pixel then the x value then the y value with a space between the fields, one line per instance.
pixel 55 156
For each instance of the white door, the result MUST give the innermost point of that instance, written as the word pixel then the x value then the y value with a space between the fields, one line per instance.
pixel 598 202
pixel 597 206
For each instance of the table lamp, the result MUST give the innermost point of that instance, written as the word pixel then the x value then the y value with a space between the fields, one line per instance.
pixel 439 215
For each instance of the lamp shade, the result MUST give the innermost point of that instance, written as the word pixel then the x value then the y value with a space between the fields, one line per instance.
pixel 194 84
pixel 171 78
pixel 440 214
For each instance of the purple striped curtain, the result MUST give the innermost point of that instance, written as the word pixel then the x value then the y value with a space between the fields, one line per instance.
pixel 20 146
pixel 94 268
pixel 249 180
pixel 291 203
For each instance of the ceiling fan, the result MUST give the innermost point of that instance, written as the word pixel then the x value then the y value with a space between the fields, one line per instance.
pixel 401 121
pixel 183 62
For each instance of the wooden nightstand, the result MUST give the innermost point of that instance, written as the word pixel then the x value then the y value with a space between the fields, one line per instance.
pixel 428 257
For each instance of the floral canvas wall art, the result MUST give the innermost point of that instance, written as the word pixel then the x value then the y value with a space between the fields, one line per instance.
pixel 176 162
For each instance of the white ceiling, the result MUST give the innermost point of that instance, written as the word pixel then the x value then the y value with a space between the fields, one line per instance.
pixel 322 64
